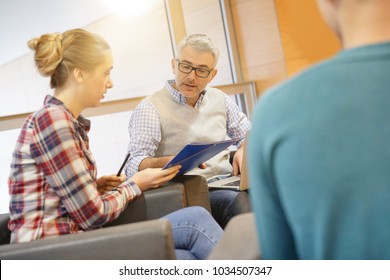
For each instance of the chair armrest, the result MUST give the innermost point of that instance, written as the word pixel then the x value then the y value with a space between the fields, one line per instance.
pixel 183 191
pixel 152 204
pixel 239 241
pixel 5 234
pixel 149 240
pixel 196 190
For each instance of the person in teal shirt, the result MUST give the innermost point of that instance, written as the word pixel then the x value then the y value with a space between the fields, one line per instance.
pixel 319 149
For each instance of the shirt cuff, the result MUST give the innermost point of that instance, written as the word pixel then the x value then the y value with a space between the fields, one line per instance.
pixel 240 143
pixel 133 165
pixel 132 190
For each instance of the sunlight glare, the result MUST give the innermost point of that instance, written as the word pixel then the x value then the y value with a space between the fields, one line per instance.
pixel 128 8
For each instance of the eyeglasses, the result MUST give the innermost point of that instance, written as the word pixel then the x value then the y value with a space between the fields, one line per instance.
pixel 187 69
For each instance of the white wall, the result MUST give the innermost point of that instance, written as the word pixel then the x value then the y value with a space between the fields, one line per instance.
pixel 108 141
pixel 7 143
pixel 142 52
pixel 20 20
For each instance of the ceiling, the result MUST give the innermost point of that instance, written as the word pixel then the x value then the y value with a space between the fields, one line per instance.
pixel 21 20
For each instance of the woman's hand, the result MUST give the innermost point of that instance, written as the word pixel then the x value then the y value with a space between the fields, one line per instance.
pixel 151 178
pixel 109 182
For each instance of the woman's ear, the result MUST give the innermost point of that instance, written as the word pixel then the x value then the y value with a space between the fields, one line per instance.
pixel 78 74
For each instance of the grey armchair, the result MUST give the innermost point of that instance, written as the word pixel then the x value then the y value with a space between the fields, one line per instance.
pixel 239 241
pixel 141 241
pixel 131 236
pixel 184 191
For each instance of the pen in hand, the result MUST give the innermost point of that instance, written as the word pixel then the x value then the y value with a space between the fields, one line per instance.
pixel 123 165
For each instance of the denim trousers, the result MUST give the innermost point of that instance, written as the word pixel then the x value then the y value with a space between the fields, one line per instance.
pixel 195 232
pixel 225 204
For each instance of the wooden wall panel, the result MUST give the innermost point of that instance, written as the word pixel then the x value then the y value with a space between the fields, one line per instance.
pixel 259 42
pixel 278 38
pixel 305 37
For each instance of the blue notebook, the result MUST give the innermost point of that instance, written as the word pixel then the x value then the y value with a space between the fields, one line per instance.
pixel 192 155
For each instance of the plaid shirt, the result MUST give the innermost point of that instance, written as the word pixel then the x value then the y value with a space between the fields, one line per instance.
pixel 147 118
pixel 52 184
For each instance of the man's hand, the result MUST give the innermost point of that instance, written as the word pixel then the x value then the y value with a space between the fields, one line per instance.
pixel 109 182
pixel 237 160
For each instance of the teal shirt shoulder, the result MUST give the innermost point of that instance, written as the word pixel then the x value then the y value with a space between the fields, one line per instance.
pixel 319 160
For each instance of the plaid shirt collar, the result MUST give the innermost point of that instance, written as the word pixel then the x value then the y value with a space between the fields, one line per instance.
pixel 81 121
pixel 178 97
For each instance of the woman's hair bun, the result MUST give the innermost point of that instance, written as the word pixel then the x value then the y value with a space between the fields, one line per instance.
pixel 48 52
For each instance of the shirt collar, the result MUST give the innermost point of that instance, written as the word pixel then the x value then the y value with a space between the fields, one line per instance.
pixel 178 97
pixel 82 121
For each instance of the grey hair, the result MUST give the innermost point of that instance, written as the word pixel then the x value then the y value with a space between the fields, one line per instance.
pixel 200 43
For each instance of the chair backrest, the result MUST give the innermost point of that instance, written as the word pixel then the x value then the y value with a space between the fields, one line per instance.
pixel 239 241
pixel 149 240
pixel 5 234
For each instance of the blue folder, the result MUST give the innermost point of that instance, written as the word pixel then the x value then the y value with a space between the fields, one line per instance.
pixel 192 155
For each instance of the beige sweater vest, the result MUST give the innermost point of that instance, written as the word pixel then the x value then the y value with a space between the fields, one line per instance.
pixel 183 124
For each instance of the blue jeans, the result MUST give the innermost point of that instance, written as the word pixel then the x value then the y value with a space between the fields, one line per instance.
pixel 225 204
pixel 195 232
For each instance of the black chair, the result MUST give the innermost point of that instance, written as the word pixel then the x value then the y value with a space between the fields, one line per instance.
pixel 136 234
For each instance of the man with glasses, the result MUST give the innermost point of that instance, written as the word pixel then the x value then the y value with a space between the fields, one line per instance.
pixel 187 111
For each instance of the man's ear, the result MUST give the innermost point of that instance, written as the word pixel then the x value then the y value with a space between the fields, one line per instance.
pixel 213 74
pixel 173 65
pixel 78 74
